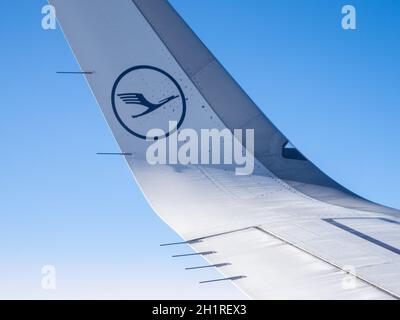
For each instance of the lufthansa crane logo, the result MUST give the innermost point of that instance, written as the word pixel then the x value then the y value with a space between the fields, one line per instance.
pixel 145 98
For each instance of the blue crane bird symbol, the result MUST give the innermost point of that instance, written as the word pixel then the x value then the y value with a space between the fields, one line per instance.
pixel 140 99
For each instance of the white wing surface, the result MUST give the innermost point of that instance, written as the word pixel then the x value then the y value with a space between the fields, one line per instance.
pixel 286 231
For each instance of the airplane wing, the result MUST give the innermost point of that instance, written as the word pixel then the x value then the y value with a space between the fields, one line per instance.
pixel 286 231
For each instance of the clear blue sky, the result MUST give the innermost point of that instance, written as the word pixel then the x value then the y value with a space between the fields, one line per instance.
pixel 334 93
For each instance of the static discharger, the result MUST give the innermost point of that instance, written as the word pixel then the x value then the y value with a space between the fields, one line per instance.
pixel 114 154
pixel 205 253
pixel 224 279
pixel 218 265
pixel 74 72
pixel 178 243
